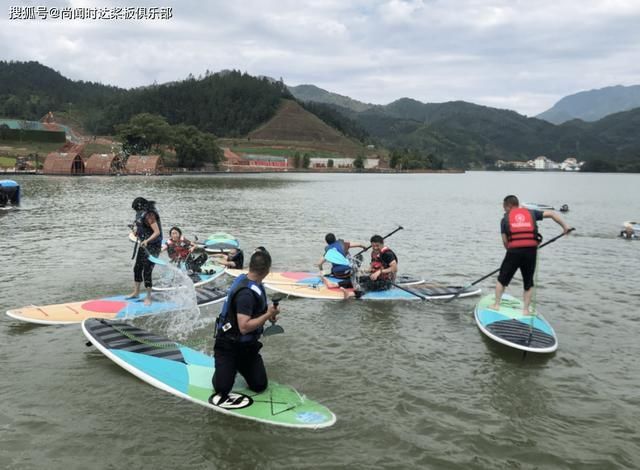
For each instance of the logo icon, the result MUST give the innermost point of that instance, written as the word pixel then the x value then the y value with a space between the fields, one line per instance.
pixel 234 401
pixel 520 218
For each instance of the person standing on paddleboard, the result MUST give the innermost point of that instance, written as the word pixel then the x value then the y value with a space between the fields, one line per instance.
pixel 521 239
pixel 148 231
pixel 238 330
pixel 336 253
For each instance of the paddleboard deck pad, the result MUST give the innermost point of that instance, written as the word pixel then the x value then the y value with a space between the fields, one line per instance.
pixel 310 286
pixel 187 373
pixel 510 327
pixel 110 307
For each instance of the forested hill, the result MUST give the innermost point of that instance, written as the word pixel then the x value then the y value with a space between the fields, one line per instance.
pixel 468 135
pixel 29 90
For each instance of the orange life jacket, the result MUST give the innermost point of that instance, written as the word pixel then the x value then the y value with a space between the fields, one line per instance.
pixel 522 231
pixel 378 264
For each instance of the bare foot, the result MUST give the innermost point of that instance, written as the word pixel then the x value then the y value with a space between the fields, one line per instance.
pixel 147 301
pixel 345 293
pixel 526 312
pixel 494 307
pixel 133 295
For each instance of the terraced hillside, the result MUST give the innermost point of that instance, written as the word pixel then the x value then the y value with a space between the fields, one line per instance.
pixel 293 124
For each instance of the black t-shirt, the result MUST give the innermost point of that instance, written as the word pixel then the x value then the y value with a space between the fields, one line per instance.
pixel 237 259
pixel 387 257
pixel 247 304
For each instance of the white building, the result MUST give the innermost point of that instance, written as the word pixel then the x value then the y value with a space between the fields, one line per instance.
pixel 543 163
pixel 571 164
pixel 317 162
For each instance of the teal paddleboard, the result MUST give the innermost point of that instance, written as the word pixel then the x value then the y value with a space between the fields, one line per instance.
pixel 510 327
pixel 187 373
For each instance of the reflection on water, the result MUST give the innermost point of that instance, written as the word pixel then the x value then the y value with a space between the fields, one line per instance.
pixel 414 384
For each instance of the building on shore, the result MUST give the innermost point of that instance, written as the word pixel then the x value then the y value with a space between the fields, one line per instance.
pixel 104 164
pixel 541 163
pixel 70 163
pixel 145 165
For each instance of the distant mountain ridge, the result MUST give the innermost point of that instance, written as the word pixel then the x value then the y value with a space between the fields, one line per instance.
pixel 593 105
pixel 237 105
pixel 318 95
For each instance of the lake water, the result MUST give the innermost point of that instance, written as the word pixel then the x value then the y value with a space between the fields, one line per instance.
pixel 413 384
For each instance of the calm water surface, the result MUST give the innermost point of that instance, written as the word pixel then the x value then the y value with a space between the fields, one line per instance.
pixel 414 385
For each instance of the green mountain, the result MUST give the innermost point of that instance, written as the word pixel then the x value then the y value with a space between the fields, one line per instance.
pixel 29 90
pixel 308 93
pixel 468 135
pixel 232 104
pixel 594 104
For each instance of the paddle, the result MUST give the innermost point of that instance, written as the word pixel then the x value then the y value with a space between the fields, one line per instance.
pixel 460 291
pixel 420 296
pixel 153 259
pixel 400 227
pixel 274 328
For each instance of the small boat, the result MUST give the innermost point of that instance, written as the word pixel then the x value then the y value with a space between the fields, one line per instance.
pixel 9 193
pixel 630 231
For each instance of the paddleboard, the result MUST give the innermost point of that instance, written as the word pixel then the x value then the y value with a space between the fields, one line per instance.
pixel 220 243
pixel 310 286
pixel 313 278
pixel 187 373
pixel 510 327
pixel 538 207
pixel 109 307
pixel 209 272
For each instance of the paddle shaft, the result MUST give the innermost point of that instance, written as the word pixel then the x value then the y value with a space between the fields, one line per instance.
pixel 400 227
pixel 420 296
pixel 496 270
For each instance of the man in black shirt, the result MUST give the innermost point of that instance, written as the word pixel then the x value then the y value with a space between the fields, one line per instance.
pixel 238 330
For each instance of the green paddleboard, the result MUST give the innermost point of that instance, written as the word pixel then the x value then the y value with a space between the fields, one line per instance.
pixel 187 373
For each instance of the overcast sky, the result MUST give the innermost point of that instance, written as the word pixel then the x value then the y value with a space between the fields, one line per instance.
pixel 521 55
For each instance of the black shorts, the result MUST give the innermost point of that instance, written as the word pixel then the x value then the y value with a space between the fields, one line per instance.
pixel 525 260
pixel 366 284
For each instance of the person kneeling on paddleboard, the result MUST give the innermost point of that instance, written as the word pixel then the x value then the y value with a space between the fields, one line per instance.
pixel 234 259
pixel 336 253
pixel 238 329
pixel 521 239
pixel 382 272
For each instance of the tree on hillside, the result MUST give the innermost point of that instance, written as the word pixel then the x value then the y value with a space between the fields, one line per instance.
pixel 194 148
pixel 599 166
pixel 358 163
pixel 306 160
pixel 297 160
pixel 330 163
pixel 142 133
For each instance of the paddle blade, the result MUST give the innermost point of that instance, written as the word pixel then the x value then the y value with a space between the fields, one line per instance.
pixel 272 329
pixel 154 259
pixel 333 256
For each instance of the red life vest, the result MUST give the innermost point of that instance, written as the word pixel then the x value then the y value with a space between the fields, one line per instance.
pixel 178 250
pixel 377 263
pixel 522 231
